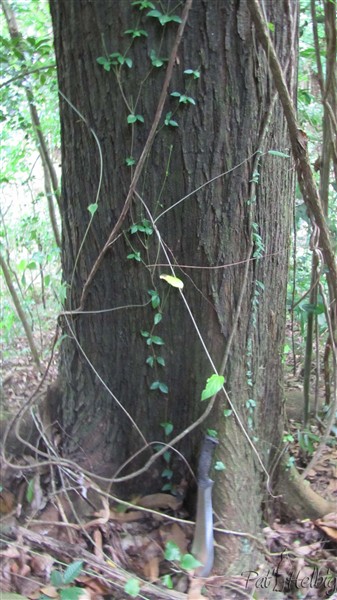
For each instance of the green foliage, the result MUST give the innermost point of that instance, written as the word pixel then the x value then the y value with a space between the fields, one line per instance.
pixel 173 553
pixel 92 208
pixel 152 339
pixel 136 33
pixel 167 581
pixel 213 386
pixel 143 227
pixel 168 427
pixel 183 99
pixel 134 118
pixel 30 491
pixel 310 112
pixel 62 582
pixel 26 240
pixel 134 256
pixel 173 281
pixel 194 73
pixel 163 18
pixel 143 4
pixel 156 61
pixel 219 466
pixel 159 385
pixel 278 153
pixel 169 121
pixel 307 440
pixel 115 59
pixel 132 587
pixel 155 298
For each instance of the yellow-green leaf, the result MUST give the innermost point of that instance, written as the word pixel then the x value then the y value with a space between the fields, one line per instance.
pixel 213 386
pixel 174 281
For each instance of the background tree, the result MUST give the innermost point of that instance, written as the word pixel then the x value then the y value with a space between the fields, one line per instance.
pixel 29 218
pixel 134 362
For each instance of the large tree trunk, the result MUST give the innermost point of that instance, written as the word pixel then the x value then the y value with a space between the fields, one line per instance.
pixel 234 117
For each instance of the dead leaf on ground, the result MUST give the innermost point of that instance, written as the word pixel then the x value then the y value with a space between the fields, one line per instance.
pixel 7 502
pixel 41 565
pixel 194 590
pixel 95 586
pixel 159 500
pixel 50 591
pixel 329 525
pixel 151 569
pixel 98 548
pixel 173 532
pixel 126 517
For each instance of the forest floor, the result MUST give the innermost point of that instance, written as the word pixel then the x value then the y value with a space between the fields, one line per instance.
pixel 62 538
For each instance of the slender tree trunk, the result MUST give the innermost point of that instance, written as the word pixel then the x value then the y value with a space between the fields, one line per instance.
pixel 20 311
pixel 36 123
pixel 228 240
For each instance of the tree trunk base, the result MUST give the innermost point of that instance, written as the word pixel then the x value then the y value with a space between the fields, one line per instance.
pixel 298 500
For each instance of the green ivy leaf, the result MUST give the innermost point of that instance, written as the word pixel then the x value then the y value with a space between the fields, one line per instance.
pixel 102 60
pixel 154 13
pixel 56 578
pixel 157 318
pixel 189 563
pixel 150 361
pixel 219 466
pixel 156 61
pixel 72 571
pixel 167 456
pixel 92 208
pixel 175 18
pixel 167 581
pixel 161 361
pixel 134 118
pixel 71 593
pixel 167 487
pixel 227 412
pixel 143 4
pixel 168 121
pixel 168 427
pixel 277 153
pixel 155 298
pixel 172 551
pixel 167 473
pixel 30 491
pixel 136 33
pixel 135 256
pixel 157 340
pixel 213 386
pixel 159 385
pixel 212 433
pixel 196 74
pixel 132 587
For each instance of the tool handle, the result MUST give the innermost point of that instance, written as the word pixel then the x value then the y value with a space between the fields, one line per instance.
pixel 205 459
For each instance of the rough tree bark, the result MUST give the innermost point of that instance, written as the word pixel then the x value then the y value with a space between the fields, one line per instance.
pixel 236 115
